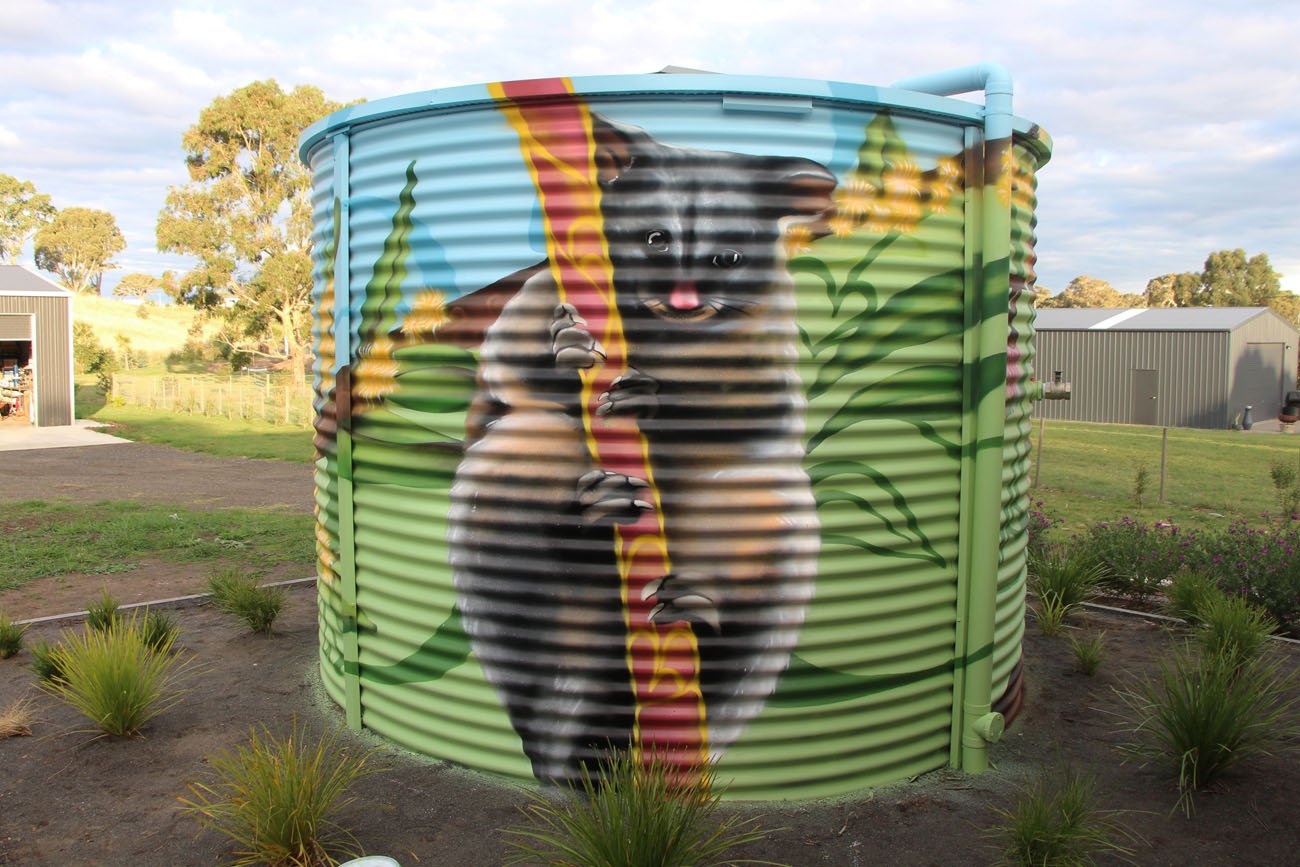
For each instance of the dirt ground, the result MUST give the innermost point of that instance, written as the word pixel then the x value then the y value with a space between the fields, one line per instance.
pixel 71 798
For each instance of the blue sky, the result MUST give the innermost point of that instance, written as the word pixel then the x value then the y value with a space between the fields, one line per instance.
pixel 1175 123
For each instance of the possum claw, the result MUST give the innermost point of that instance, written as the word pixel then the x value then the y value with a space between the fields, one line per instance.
pixel 689 607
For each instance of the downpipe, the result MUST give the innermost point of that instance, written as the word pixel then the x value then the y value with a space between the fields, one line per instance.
pixel 978 725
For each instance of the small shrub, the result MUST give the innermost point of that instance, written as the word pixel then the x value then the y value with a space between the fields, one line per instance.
pixel 1138 560
pixel 1039 525
pixel 631 813
pixel 113 678
pixel 1088 653
pixel 278 798
pixel 1055 821
pixel 44 662
pixel 102 613
pixel 11 636
pixel 16 720
pixel 1200 715
pixel 1286 488
pixel 1233 628
pixel 1140 479
pixel 1188 592
pixel 1260 564
pixel 158 631
pixel 237 593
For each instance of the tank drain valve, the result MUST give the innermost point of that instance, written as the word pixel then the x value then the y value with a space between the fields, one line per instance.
pixel 990 727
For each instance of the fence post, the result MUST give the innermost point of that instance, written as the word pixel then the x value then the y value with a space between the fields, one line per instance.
pixel 1164 455
pixel 1038 451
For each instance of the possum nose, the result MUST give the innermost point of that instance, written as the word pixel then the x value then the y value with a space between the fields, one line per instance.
pixel 684 296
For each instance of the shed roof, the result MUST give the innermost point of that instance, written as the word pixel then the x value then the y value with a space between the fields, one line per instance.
pixel 17 280
pixel 1145 318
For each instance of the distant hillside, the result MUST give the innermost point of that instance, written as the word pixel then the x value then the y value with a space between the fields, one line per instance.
pixel 161 331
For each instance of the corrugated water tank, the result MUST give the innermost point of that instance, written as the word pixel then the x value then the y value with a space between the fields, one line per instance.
pixel 685 414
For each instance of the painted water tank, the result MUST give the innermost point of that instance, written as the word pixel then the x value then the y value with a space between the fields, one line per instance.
pixel 685 414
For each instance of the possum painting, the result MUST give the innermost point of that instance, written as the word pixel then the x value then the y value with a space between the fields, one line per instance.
pixel 708 313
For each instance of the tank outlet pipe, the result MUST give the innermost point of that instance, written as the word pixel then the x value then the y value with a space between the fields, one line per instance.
pixel 977 726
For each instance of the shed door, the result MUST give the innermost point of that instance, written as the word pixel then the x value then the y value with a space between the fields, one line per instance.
pixel 1259 380
pixel 1144 396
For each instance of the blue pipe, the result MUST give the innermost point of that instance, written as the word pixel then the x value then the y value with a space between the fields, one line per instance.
pixel 992 78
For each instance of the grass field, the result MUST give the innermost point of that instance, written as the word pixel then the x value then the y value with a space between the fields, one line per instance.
pixel 160 331
pixel 1088 473
pixel 40 539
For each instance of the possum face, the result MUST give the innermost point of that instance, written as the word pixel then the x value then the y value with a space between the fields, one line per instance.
pixel 693 234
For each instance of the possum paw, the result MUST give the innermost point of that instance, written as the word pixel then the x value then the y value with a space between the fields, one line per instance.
pixel 634 393
pixel 682 596
pixel 607 498
pixel 572 345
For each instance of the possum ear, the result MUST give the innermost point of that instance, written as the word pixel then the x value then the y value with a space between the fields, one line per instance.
pixel 617 147
pixel 801 188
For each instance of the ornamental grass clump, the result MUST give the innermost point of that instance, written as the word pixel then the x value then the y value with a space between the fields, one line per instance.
pixel 114 678
pixel 1089 652
pixel 16 719
pixel 279 799
pixel 44 663
pixel 1062 581
pixel 237 593
pixel 1188 592
pixel 632 814
pixel 11 636
pixel 1055 821
pixel 1232 628
pixel 159 631
pixel 1203 713
pixel 103 612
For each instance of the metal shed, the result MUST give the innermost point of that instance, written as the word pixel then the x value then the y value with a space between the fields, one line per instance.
pixel 1181 367
pixel 36 331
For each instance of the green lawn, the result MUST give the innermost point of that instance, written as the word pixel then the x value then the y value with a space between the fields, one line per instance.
pixel 40 539
pixel 214 436
pixel 1089 471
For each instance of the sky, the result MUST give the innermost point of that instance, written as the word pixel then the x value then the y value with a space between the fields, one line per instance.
pixel 1175 122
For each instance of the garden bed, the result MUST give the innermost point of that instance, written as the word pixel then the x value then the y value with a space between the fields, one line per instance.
pixel 73 798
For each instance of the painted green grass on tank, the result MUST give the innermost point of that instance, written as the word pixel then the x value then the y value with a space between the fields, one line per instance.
pixel 40 539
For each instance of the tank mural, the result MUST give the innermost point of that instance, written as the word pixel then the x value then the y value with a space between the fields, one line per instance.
pixel 657 437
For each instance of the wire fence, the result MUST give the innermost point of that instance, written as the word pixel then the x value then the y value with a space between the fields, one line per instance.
pixel 278 399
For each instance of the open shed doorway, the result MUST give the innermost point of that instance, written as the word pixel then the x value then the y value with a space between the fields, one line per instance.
pixel 17 382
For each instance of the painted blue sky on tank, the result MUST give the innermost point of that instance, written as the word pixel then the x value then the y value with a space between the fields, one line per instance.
pixel 477 218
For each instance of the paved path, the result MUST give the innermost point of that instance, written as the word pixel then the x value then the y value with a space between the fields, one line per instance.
pixel 17 436
pixel 153 474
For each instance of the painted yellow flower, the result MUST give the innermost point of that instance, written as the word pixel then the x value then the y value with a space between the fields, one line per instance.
pixel 1006 173
pixel 854 196
pixel 903 178
pixel 798 241
pixel 376 372
pixel 949 169
pixel 428 314
pixel 842 225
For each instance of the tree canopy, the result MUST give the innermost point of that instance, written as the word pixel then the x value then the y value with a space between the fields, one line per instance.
pixel 246 216
pixel 1085 291
pixel 138 285
pixel 78 245
pixel 1228 279
pixel 22 212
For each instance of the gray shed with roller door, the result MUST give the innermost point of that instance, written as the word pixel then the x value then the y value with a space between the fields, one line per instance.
pixel 36 330
pixel 1194 367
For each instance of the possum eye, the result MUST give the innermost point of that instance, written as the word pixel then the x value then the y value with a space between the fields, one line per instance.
pixel 727 259
pixel 658 239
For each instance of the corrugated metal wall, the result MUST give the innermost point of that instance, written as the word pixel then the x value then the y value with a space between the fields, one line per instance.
pixel 1030 153
pixel 1281 340
pixel 882 325
pixel 52 354
pixel 1192 375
